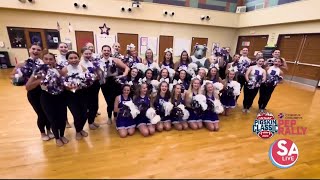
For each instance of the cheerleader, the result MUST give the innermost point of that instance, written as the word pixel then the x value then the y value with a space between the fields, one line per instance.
pixel 183 80
pixel 125 123
pixel 76 94
pixel 227 58
pixel 149 58
pixel 242 65
pixel 164 75
pixel 53 100
pixel 148 77
pixel 176 99
pixel 132 56
pixel 229 93
pixel 183 62
pixel 109 87
pixel 202 73
pixel 142 101
pixel 194 120
pixel 133 80
pixel 167 59
pixel 210 118
pixel 234 63
pixel 63 50
pixel 276 54
pixel 90 46
pixel 93 90
pixel 255 75
pixel 34 90
pixel 213 75
pixel 274 76
pixel 162 96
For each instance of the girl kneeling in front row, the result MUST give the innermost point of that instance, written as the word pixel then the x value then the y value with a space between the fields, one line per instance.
pixel 142 101
pixel 125 124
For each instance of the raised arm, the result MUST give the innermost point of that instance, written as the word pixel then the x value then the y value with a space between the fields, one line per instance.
pixel 120 64
pixel 13 72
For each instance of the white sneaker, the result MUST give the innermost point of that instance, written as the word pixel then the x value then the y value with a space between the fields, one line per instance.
pixel 248 111
pixel 50 134
pixel 244 110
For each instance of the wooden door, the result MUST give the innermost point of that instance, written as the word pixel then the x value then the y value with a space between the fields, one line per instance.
pixel 125 39
pixel 164 43
pixel 200 41
pixel 308 64
pixel 289 46
pixel 36 36
pixel 253 43
pixel 82 38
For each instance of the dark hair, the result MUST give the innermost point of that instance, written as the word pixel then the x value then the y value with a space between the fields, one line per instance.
pixel 161 73
pixel 125 85
pixel 205 88
pixel 36 44
pixel 182 70
pixel 173 93
pixel 167 95
pixel 71 52
pixel 188 58
pixel 236 54
pixel 210 76
pixel 275 50
pixel 146 53
pixel 136 79
pixel 106 46
pixel 63 43
pixel 145 73
pixel 260 58
pixel 171 59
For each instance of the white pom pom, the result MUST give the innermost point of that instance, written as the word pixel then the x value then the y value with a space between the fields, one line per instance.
pixel 168 106
pixel 155 83
pixel 130 83
pixel 218 86
pixel 156 119
pixel 141 67
pixel 151 113
pixel 186 113
pixel 218 108
pixel 155 65
pixel 236 87
pixel 171 87
pixel 202 100
pixel 134 111
pixel 193 66
pixel 172 72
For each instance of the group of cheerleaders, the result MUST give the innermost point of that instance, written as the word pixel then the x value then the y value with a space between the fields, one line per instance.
pixel 153 98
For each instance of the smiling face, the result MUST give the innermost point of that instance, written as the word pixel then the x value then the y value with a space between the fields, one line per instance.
pixel 164 73
pixel 144 89
pixel 126 91
pixel 196 84
pixel 168 56
pixel 184 56
pixel 182 75
pixel 106 51
pixel 35 51
pixel 116 47
pixel 236 58
pixel 277 62
pixel 231 75
pixel 177 89
pixel 149 74
pixel 63 48
pixel 90 46
pixel 73 59
pixel 133 52
pixel 163 87
pixel 87 54
pixel 213 72
pixel 245 51
pixel 50 60
pixel 260 61
pixel 209 88
pixel 149 54
pixel 202 73
pixel 134 72
pixel 276 54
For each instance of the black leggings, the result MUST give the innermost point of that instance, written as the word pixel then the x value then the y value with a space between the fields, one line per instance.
pixel 110 91
pixel 55 108
pixel 249 95
pixel 34 99
pixel 242 81
pixel 77 103
pixel 265 95
pixel 93 101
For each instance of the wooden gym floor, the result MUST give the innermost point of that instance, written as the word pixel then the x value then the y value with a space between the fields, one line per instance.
pixel 233 152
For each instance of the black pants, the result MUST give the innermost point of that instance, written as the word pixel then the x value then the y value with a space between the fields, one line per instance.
pixel 242 81
pixel 34 99
pixel 55 108
pixel 249 95
pixel 77 103
pixel 110 91
pixel 93 101
pixel 265 95
pixel 222 72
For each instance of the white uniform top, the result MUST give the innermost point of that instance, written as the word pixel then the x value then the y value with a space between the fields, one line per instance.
pixel 256 70
pixel 86 63
pixel 50 72
pixel 108 69
pixel 74 69
pixel 273 71
pixel 62 60
pixel 242 59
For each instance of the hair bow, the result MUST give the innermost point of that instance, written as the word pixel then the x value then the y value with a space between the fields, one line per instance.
pixel 129 47
pixel 214 65
pixel 166 80
pixel 169 50
pixel 142 80
pixel 205 69
pixel 196 77
pixel 233 68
